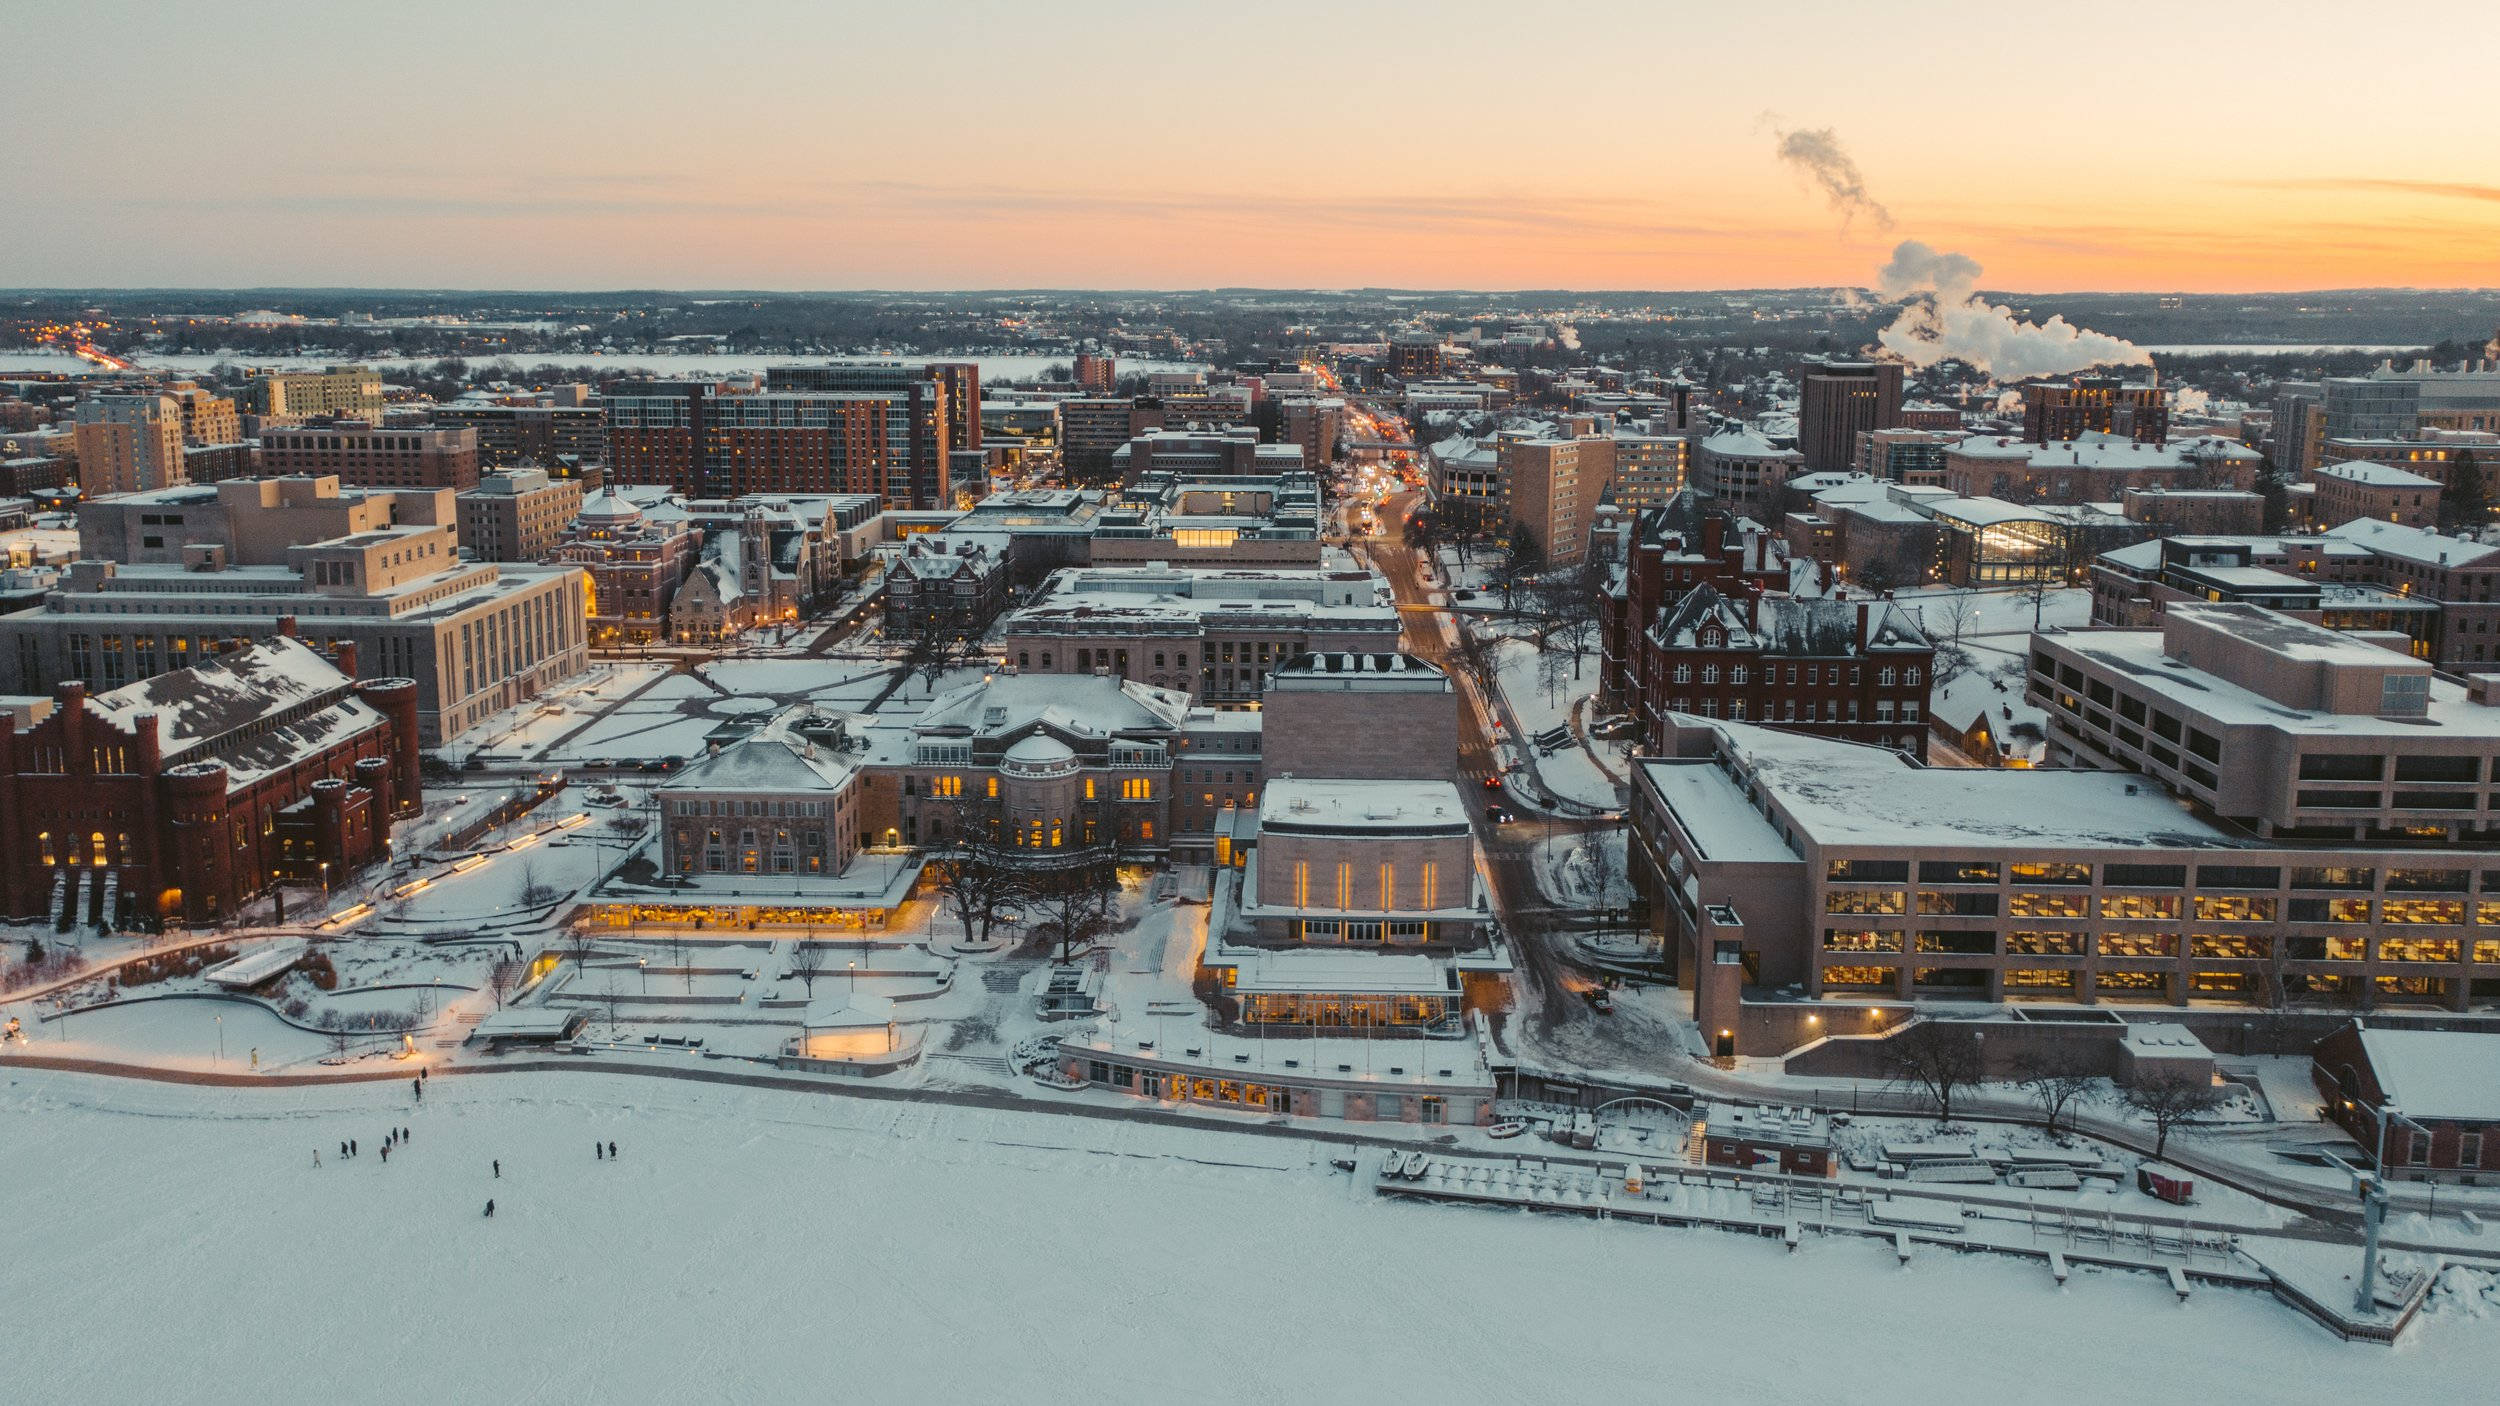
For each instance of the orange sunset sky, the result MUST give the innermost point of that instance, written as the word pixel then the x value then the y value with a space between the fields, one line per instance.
pixel 2181 146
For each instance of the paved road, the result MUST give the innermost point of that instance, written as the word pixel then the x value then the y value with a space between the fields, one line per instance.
pixel 1548 992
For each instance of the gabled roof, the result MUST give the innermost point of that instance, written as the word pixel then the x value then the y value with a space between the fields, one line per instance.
pixel 2419 545
pixel 1786 625
pixel 255 711
pixel 1072 705
pixel 771 759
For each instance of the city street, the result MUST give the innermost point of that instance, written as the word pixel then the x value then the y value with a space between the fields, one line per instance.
pixel 1552 1009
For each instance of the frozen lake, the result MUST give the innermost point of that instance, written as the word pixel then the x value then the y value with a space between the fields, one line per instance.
pixel 755 1246
pixel 2280 348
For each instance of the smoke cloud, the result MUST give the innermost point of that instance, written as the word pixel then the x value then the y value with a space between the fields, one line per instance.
pixel 1945 319
pixel 1817 155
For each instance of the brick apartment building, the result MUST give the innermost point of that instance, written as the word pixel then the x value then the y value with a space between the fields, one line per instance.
pixel 1096 374
pixel 1841 400
pixel 363 456
pixel 2069 409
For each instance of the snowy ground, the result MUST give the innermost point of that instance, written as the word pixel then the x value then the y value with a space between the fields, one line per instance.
pixel 1569 874
pixel 786 1244
pixel 1539 702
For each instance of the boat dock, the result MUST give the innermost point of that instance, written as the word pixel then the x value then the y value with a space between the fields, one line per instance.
pixel 2175 1253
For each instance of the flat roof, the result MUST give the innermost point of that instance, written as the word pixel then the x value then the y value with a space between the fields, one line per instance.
pixel 1851 794
pixel 1714 812
pixel 2137 655
pixel 1292 803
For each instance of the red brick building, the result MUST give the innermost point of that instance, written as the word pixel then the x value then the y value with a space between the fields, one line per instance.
pixel 1666 552
pixel 1853 670
pixel 181 797
pixel 2056 410
pixel 366 457
pixel 2445 1083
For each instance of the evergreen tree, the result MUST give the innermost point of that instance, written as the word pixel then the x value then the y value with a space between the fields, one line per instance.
pixel 2465 504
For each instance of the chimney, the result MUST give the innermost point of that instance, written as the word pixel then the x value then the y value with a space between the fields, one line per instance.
pixel 344 656
pixel 1863 607
pixel 286 626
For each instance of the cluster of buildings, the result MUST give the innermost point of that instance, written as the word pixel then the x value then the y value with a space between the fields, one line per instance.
pixel 2246 809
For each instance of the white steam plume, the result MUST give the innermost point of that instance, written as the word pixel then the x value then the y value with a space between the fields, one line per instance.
pixel 1945 319
pixel 1816 153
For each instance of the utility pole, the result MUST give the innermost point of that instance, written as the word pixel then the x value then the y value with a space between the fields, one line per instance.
pixel 2374 1210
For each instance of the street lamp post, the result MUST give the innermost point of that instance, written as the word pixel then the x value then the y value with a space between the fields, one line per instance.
pixel 643 966
pixel 221 1039
pixel 854 965
pixel 2374 1207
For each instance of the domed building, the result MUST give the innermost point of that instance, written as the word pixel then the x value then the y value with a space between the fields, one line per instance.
pixel 632 563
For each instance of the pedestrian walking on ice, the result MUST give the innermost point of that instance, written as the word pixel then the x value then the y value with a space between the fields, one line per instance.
pixel 598 1153
pixel 316 1156
pixel 490 1208
pixel 342 1151
pixel 611 1151
pixel 351 1147
pixel 499 1169
pixel 386 1153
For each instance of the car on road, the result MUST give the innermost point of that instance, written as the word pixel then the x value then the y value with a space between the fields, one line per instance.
pixel 1493 782
pixel 1497 814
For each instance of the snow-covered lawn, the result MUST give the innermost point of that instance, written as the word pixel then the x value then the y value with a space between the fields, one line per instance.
pixel 1540 703
pixel 1996 613
pixel 825 680
pixel 751 1245
pixel 1569 874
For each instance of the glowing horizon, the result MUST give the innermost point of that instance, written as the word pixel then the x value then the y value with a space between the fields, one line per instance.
pixel 1112 145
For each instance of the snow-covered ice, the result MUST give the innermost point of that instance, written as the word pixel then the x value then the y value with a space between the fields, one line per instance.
pixel 749 1245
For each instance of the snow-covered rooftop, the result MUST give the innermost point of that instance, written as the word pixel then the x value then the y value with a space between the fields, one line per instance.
pixel 1296 804
pixel 2376 475
pixel 2418 545
pixel 1850 794
pixel 257 710
pixel 2437 1074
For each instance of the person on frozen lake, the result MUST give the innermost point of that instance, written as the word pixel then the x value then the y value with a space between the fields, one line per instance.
pixel 490 1208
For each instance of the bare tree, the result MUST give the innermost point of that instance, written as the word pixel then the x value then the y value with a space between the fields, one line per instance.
pixel 1947 617
pixel 1567 609
pixel 2055 1078
pixel 1597 851
pixel 1074 898
pixel 503 978
pixel 1938 1058
pixel 934 648
pixel 807 962
pixel 1476 653
pixel 579 945
pixel 976 871
pixel 1522 561
pixel 2169 1097
pixel 536 892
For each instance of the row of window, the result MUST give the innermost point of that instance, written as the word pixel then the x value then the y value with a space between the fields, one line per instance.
pixel 2058 943
pixel 1739 674
pixel 2075 873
